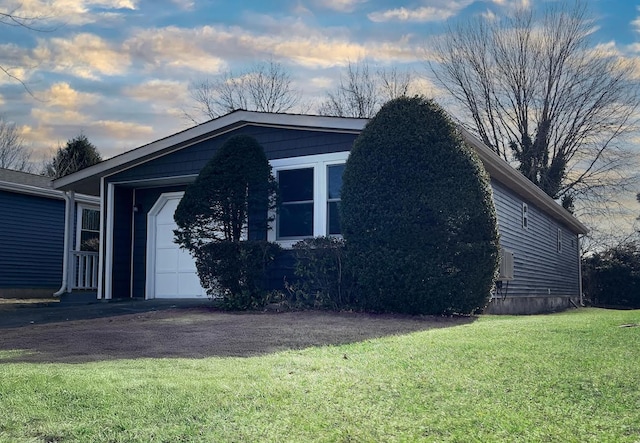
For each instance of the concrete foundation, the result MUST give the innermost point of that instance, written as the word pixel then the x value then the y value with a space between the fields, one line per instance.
pixel 529 305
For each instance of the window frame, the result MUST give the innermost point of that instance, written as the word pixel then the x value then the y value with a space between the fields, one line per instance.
pixel 319 163
pixel 559 241
pixel 79 211
pixel 525 216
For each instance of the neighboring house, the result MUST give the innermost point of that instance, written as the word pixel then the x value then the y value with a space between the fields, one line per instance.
pixel 140 191
pixel 32 233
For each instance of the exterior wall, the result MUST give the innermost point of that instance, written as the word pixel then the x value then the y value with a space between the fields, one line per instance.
pixel 540 271
pixel 31 244
pixel 122 229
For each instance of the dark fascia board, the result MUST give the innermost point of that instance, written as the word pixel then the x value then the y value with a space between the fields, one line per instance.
pixel 498 169
pixel 20 188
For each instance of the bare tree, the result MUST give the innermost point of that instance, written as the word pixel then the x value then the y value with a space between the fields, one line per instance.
pixel 266 87
pixel 535 89
pixel 15 18
pixel 13 153
pixel 361 92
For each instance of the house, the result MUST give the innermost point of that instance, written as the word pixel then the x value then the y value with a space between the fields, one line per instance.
pixel 32 233
pixel 139 191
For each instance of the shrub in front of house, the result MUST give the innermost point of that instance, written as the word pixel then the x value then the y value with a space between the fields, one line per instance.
pixel 222 221
pixel 417 214
pixel 611 278
pixel 323 280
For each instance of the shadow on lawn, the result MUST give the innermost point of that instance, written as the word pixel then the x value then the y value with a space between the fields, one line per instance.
pixel 199 333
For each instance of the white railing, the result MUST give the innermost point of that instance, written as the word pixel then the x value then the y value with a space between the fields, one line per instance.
pixel 84 270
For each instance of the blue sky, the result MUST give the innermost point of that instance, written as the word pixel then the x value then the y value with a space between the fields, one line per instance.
pixel 119 70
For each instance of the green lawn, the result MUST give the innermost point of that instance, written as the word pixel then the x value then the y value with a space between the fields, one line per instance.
pixel 565 377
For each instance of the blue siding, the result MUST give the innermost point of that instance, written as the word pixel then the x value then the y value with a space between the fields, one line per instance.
pixel 31 241
pixel 121 271
pixel 277 143
pixel 539 269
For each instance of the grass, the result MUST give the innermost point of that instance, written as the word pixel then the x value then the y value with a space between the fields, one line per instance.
pixel 569 377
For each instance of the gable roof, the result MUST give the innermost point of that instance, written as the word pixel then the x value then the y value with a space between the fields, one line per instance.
pixel 88 180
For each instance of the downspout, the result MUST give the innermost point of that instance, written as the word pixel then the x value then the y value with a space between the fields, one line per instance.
pixel 65 258
pixel 579 271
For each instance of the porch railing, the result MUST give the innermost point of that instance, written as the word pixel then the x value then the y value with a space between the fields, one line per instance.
pixel 84 270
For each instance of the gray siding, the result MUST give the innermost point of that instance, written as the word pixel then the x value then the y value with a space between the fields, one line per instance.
pixel 31 241
pixel 539 269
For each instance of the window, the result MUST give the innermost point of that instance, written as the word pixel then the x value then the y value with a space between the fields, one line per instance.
pixel 295 216
pixel 334 185
pixel 525 216
pixel 559 240
pixel 88 236
pixel 309 197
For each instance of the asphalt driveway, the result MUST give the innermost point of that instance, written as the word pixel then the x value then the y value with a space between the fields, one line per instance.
pixel 16 313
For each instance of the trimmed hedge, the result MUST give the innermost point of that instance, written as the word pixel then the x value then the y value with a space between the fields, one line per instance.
pixel 231 196
pixel 612 278
pixel 417 214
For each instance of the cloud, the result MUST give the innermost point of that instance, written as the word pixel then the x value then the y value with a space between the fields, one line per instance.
pixel 64 96
pixel 422 14
pixel 174 47
pixel 206 48
pixel 84 55
pixel 158 90
pixel 186 5
pixel 434 11
pixel 340 5
pixel 44 13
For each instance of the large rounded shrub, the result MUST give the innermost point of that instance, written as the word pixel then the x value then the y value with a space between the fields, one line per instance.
pixel 417 214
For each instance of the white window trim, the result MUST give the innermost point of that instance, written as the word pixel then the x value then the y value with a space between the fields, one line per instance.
pixel 81 207
pixel 559 241
pixel 525 216
pixel 319 164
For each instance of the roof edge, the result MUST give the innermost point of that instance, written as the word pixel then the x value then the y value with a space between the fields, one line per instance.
pixel 507 174
pixel 20 188
pixel 233 118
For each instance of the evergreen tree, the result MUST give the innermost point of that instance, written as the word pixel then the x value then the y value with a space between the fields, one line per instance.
pixel 77 154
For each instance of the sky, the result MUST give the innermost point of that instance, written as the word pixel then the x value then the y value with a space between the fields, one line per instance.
pixel 119 71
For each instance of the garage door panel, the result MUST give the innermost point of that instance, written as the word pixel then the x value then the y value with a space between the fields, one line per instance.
pixel 175 273
pixel 165 236
pixel 189 285
pixel 186 263
pixel 166 285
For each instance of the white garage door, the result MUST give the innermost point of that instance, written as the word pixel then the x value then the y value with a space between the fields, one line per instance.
pixel 174 270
